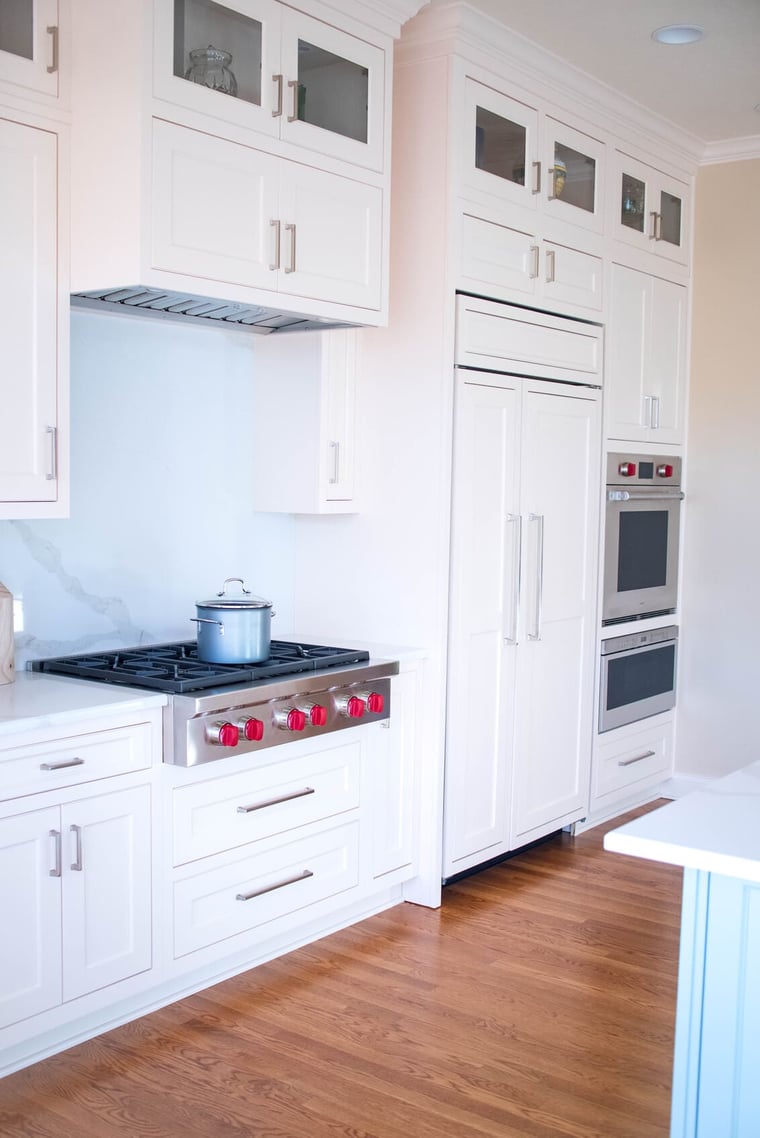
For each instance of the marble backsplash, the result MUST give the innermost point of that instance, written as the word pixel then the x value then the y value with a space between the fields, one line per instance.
pixel 161 472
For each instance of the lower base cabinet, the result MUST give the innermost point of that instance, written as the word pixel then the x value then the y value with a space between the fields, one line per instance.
pixel 630 761
pixel 717 1050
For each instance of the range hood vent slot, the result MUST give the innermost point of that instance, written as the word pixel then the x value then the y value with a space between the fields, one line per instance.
pixel 186 306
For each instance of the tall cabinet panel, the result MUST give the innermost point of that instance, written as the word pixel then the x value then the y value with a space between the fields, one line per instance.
pixel 525 526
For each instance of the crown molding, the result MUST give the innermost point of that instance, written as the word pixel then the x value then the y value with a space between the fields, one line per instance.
pixel 459 29
pixel 731 150
pixel 386 16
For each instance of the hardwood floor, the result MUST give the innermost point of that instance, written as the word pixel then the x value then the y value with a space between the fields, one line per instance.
pixel 538 1001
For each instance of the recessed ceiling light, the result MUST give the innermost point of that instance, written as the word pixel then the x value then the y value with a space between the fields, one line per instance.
pixel 678 33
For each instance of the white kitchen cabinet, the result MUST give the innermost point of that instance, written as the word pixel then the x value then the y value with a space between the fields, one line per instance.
pixel 630 761
pixel 305 393
pixel 521 650
pixel 77 894
pixel 394 783
pixel 646 358
pixel 651 209
pixel 503 260
pixel 29 34
pixel 32 384
pixel 294 77
pixel 222 208
pixel 517 153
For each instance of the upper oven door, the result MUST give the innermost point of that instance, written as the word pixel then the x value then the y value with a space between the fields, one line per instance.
pixel 640 552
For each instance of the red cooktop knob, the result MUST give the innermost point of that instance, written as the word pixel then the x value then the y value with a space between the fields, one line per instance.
pixel 253 729
pixel 355 707
pixel 318 715
pixel 296 720
pixel 228 736
pixel 665 471
pixel 627 469
pixel 375 702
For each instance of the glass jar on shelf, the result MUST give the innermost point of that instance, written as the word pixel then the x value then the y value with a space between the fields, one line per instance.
pixel 210 66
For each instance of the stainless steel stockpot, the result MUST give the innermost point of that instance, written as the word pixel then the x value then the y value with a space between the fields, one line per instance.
pixel 234 628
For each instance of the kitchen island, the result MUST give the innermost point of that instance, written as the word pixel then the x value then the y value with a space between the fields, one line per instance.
pixel 715 835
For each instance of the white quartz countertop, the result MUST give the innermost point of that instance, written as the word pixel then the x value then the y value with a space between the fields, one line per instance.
pixel 35 700
pixel 716 829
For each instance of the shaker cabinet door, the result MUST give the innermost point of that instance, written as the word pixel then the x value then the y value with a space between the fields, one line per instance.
pixel 29 46
pixel 28 314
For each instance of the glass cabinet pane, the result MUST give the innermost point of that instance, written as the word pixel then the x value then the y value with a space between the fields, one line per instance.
pixel 332 92
pixel 670 218
pixel 500 146
pixel 17 27
pixel 574 177
pixel 633 203
pixel 218 48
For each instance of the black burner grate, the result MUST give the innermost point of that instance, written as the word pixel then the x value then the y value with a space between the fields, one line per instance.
pixel 176 667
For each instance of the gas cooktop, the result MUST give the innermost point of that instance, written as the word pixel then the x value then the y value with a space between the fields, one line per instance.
pixel 175 667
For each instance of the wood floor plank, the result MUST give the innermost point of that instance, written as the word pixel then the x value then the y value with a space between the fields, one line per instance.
pixel 538 1002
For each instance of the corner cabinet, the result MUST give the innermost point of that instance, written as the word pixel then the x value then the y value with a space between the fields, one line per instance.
pixel 251 180
pixel 305 393
pixel 33 318
pixel 646 358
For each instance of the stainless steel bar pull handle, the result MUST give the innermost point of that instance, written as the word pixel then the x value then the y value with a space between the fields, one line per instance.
pixel 536 187
pixel 77 862
pixel 291 229
pixel 277 80
pixel 53 33
pixel 52 473
pixel 515 519
pixel 647 411
pixel 335 452
pixel 535 634
pixel 62 765
pixel 636 759
pixel 56 836
pixel 271 888
pixel 294 85
pixel 656 412
pixel 551 265
pixel 275 801
pixel 655 233
pixel 534 252
pixel 274 264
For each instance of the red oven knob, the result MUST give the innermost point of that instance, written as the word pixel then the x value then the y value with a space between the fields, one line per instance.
pixel 375 702
pixel 292 719
pixel 627 469
pixel 223 734
pixel 317 714
pixel 353 707
pixel 665 471
pixel 253 729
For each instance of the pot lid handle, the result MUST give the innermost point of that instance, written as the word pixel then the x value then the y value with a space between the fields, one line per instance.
pixel 228 581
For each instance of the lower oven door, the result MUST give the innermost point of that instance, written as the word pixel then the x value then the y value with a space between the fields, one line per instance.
pixel 640 553
pixel 637 682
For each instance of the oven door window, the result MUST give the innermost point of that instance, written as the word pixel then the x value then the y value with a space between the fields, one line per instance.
pixel 637 683
pixel 642 550
pixel 640 558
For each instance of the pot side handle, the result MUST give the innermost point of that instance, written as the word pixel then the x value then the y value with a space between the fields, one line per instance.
pixel 206 620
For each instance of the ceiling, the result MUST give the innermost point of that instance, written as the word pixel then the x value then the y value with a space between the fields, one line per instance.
pixel 709 88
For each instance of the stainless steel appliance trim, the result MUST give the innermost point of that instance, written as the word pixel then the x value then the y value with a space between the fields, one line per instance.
pixel 617 644
pixel 618 604
pixel 641 495
pixel 632 712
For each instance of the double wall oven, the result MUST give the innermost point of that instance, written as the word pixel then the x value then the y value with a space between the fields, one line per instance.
pixel 642 524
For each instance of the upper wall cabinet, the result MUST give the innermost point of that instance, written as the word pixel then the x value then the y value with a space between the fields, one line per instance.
pixel 516 154
pixel 266 67
pixel 29 47
pixel 651 209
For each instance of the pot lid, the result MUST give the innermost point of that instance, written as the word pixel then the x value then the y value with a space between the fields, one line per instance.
pixel 241 599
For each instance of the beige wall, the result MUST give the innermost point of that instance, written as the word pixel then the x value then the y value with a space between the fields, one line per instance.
pixel 719 698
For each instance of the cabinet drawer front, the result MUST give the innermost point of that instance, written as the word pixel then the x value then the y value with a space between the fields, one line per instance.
pixel 73 760
pixel 213 816
pixel 633 760
pixel 262 886
pixel 573 277
pixel 502 337
pixel 498 256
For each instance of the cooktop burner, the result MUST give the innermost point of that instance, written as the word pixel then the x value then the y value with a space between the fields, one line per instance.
pixel 176 667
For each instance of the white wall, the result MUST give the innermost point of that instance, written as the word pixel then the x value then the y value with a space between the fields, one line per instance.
pixel 719 690
pixel 161 469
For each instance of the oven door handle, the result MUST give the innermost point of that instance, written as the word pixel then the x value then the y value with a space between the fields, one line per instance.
pixel 645 496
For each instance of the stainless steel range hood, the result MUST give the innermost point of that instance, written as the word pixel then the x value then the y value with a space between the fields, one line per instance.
pixel 185 306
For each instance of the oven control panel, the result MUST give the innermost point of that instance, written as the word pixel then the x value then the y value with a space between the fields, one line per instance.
pixel 255 726
pixel 643 470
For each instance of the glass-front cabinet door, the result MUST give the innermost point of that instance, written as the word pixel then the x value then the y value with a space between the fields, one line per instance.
pixel 651 209
pixel 501 146
pixel 574 173
pixel 263 66
pixel 29 44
